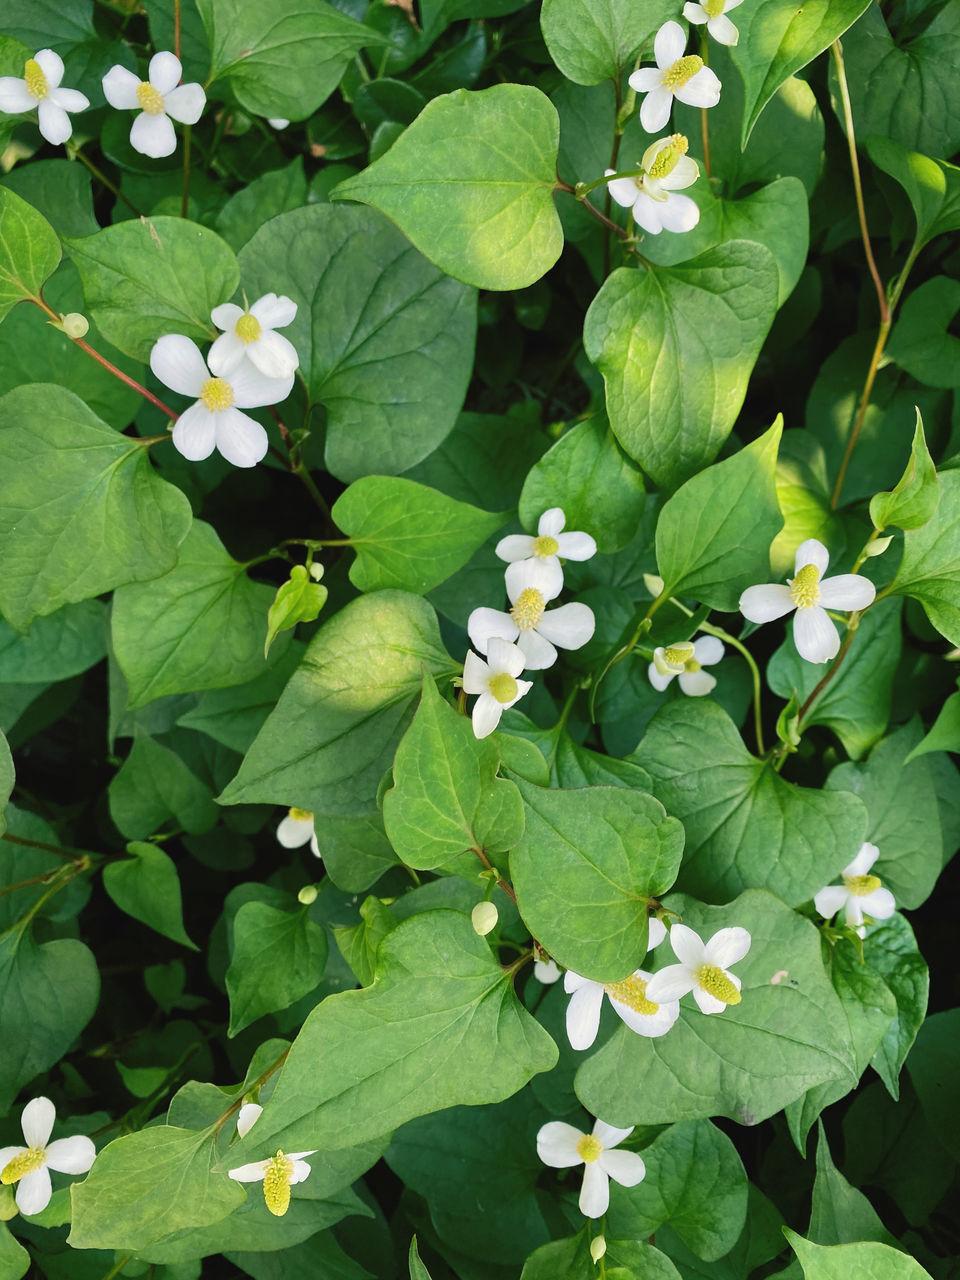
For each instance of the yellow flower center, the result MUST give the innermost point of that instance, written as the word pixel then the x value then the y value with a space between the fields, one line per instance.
pixel 276 1184
pixel 545 546
pixel 34 78
pixel 632 992
pixel 681 72
pixel 216 394
pixel 715 982
pixel 678 655
pixel 589 1148
pixel 713 8
pixel 24 1162
pixel 150 99
pixel 860 886
pixel 529 609
pixel 805 587
pixel 301 815
pixel 692 664
pixel 665 160
pixel 503 687
pixel 248 328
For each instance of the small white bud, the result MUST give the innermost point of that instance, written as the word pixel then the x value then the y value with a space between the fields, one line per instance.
pixel 654 585
pixel 878 546
pixel 75 325
pixel 598 1247
pixel 308 894
pixel 484 917
pixel 316 571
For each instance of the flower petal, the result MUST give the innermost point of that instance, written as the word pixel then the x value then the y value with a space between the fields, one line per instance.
pixel 669 44
pixel 186 103
pixel 120 88
pixel 670 984
pixel 544 576
pixel 625 1167
pixel 854 912
pixel 538 652
pixel 252 390
pixel 476 673
pixel 880 904
pixel 659 682
pixel 706 1002
pixel 569 627
pixel 812 551
pixel 701 90
pixel 301 1170
pixel 583 1015
pixel 656 932
pixel 195 433
pixel 274 355
pixel 546 971
pixel 647 213
pixel 766 602
pixel 291 833
pixel 485 623
pixel 727 947
pixel 69 99
pixel 515 546
pixel 697 684
pixel 679 213
pixel 274 311
pixel 831 900
pixel 595 1192
pixel 504 656
pixel 53 121
pixel 708 650
pixel 486 715
pixel 177 362
pixel 557 1145
pixel 226 354
pixel 153 136
pixel 34 1191
pixel 249 1114
pixel 51 64
pixel 867 855
pixel 644 80
pixel 249 1172
pixel 847 591
pixel 655 110
pixel 576 545
pixel 609 1135
pixel 37 1121
pixel 225 316
pixel 694 13
pixel 723 30
pixel 551 522
pixel 687 946
pixel 574 981
pixel 651 1025
pixel 72 1155
pixel 815 635
pixel 240 438
pixel 14 96
pixel 164 72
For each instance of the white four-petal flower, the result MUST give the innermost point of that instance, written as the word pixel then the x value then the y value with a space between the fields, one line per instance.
pixel 296 829
pixel 860 894
pixel 496 683
pixel 550 542
pixel 653 194
pixel 694 681
pixel 628 997
pixel 252 333
pixel 561 1146
pixel 811 594
pixel 215 421
pixel 158 98
pixel 714 14
pixel 536 630
pixel 40 89
pixel 703 968
pixel 28 1166
pixel 676 76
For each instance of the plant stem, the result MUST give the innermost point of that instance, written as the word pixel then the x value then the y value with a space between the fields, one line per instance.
pixel 831 671
pixel 185 195
pixel 115 1271
pixel 503 884
pixel 176 28
pixel 754 672
pixel 74 855
pixel 102 177
pixel 704 124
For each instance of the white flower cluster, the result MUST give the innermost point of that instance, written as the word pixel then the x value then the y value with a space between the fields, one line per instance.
pixel 250 365
pixel 527 637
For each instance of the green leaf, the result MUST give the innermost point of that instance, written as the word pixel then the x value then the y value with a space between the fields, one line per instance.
pixel 484 455
pixel 839 1213
pixel 589 861
pixel 59 189
pixel 48 994
pixel 7 779
pixel 277 191
pixel 235 716
pixel 335 729
pixel 402 324
pixel 154 787
pixel 148 277
pixel 82 510
pixel 360 943
pixel 571 1259
pixel 15 1262
pixel 148 1185
pixel 299 599
pixel 930 568
pixel 933 1071
pixel 855 704
pixel 944 733
pixel 749 1061
pixel 285 67
pixel 893 953
pixel 902 816
pixel 932 186
pixel 200 626
pixel 146 886
pixel 29 250
pixel 676 347
pixel 867 1261
pixel 277 958
pixel 446 796
pixel 585 461
pixel 778 39
pixel 440 1027
pixel 803 493
pixel 746 826
pixel 406 535
pixel 695 1183
pixel 714 534
pixel 471 183
pixel 916 497
pixel 920 343
pixel 356 851
pixel 416 1268
pixel 593 42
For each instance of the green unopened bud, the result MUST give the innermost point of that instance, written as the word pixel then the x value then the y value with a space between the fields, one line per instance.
pixel 598 1247
pixel 654 584
pixel 8 1205
pixel 308 894
pixel 878 546
pixel 74 325
pixel 484 918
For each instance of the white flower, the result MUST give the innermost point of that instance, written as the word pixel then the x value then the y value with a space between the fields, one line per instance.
pixel 484 917
pixel 811 595
pixel 252 334
pixel 158 97
pixel 652 194
pixel 546 971
pixel 676 76
pixel 278 1174
pixel 215 421
pixel 530 584
pixel 561 1146
pixel 40 88
pixel 278 122
pixel 28 1165
pixel 549 543
pixel 703 968
pixel 496 682
pixel 248 1116
pixel 686 660
pixel 296 829
pixel 860 894
pixel 628 997
pixel 713 13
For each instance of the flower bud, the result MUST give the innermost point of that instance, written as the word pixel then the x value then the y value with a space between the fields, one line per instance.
pixel 654 584
pixel 74 325
pixel 484 917
pixel 878 546
pixel 598 1247
pixel 308 894
pixel 316 571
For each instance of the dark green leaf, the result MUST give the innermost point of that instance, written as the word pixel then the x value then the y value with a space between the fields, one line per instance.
pixel 277 958
pixel 147 887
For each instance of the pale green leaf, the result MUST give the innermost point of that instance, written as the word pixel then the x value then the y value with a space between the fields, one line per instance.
pixel 591 42
pixel 866 1261
pixel 930 568
pixel 921 343
pixel 277 957
pixel 29 250
pixel 299 599
pixel 916 497
pixel 932 186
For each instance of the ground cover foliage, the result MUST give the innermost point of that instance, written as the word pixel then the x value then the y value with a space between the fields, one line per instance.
pixel 477 657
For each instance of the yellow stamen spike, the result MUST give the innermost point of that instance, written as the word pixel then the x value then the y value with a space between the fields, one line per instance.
pixel 632 992
pixel 150 99
pixel 861 886
pixel 216 394
pixel 248 328
pixel 589 1148
pixel 545 546
pixel 805 587
pixel 682 71
pixel 276 1184
pixel 716 983
pixel 503 687
pixel 529 608
pixel 25 1162
pixel 35 80
pixel 665 161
